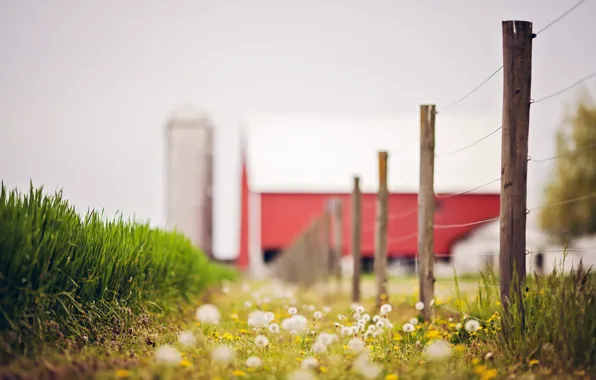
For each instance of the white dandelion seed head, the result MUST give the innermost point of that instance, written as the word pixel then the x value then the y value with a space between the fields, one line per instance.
pixel 341 317
pixel 386 309
pixel 438 350
pixel 257 319
pixel 167 354
pixel 311 308
pixel 222 354
pixel 326 338
pixel 317 315
pixel 371 370
pixel 458 326
pixel 319 347
pixel 269 316
pixel 365 317
pixel 356 316
pixel 380 323
pixel 309 363
pixel 375 318
pixel 187 338
pixel 326 309
pixel 274 328
pixel 353 306
pixel 345 330
pixel 419 306
pixel 408 327
pixel 296 323
pixel 450 319
pixel 292 311
pixel 389 325
pixel 360 309
pixel 378 332
pixel 337 325
pixel 301 374
pixel 372 328
pixel 261 341
pixel 472 325
pixel 247 304
pixel 245 288
pixel 356 344
pixel 414 321
pixel 354 330
pixel 254 362
pixel 208 314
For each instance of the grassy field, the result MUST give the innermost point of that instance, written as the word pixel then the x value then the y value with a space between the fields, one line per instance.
pixel 85 298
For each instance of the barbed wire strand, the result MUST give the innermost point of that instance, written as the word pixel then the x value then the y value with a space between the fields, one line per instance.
pixel 588 77
pixel 572 200
pixel 561 16
pixel 449 153
pixel 467 191
pixel 570 153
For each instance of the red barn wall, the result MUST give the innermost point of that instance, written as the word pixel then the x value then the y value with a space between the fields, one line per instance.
pixel 285 215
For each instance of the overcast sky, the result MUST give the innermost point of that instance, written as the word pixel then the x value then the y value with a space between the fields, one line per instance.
pixel 86 86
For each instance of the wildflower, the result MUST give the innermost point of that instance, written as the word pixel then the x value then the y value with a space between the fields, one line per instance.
pixel 459 348
pixel 208 314
pixel 326 309
pixel 301 374
pixel 432 334
pixel 167 355
pixel 310 308
pixel 341 317
pixel 274 328
pixel 222 354
pixel 269 316
pixel 239 373
pixel 185 363
pixel 378 332
pixel 391 376
pixel 309 363
pixel 386 309
pixel 472 325
pixel 337 325
pixel 359 309
pixel 414 321
pixel 247 304
pixel 254 362
pixel 458 326
pixel 317 315
pixel 488 356
pixel 367 368
pixel 257 319
pixel 489 374
pixel 187 338
pixel 261 341
pixel 345 330
pixel 123 373
pixel 438 350
pixel 408 327
pixel 380 324
pixel 295 323
pixel 534 362
pixel 365 318
pixel 376 318
pixel 245 288
pixel 292 310
pixel 326 338
pixel 319 347
pixel 356 344
pixel 419 306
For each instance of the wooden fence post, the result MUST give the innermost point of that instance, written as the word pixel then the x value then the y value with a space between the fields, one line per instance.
pixel 381 231
pixel 337 238
pixel 426 208
pixel 356 238
pixel 517 80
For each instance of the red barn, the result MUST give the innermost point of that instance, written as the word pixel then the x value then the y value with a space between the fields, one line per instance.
pixel 293 166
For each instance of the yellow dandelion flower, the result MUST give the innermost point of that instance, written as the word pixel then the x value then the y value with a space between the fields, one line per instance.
pixel 432 334
pixel 475 361
pixel 459 348
pixel 323 369
pixel 534 362
pixel 396 348
pixel 239 373
pixel 580 373
pixel 498 303
pixel 185 363
pixel 479 369
pixel 123 373
pixel 489 374
pixel 391 376
pixel 397 337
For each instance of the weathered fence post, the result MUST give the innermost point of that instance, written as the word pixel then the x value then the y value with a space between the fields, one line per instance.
pixel 337 239
pixel 426 208
pixel 356 238
pixel 381 231
pixel 517 79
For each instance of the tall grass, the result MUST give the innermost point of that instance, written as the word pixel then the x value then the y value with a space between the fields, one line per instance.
pixel 70 275
pixel 558 325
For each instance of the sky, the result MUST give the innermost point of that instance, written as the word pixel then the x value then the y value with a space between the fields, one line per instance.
pixel 86 86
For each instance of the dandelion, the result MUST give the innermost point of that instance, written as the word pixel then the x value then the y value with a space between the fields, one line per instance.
pixel 311 308
pixel 326 309
pixel 438 350
pixel 408 327
pixel 292 310
pixel 301 374
pixel 208 314
pixel 123 373
pixel 274 328
pixel 386 309
pixel 389 325
pixel 372 328
pixel 419 306
pixel 367 368
pixel 318 315
pixel 261 341
pixel 345 330
pixel 185 363
pixel 257 319
pixel 391 376
pixel 222 354
pixel 341 317
pixel 376 318
pixel 295 323
pixel 254 362
pixel 167 355
pixel 356 344
pixel 380 324
pixel 245 288
pixel 269 316
pixel 378 332
pixel 472 325
pixel 414 321
pixel 187 338
pixel 458 326
pixel 309 363
pixel 326 338
pixel 365 318
pixel 319 347
pixel 337 325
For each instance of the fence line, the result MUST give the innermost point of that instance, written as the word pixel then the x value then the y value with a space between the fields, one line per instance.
pixel 575 84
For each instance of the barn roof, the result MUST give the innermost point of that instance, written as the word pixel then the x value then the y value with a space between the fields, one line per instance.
pixel 291 154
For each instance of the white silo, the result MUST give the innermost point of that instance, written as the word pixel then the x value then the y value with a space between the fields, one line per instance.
pixel 189 175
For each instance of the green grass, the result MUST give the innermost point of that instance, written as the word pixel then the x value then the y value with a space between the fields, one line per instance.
pixel 69 277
